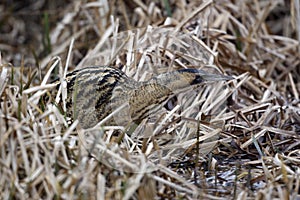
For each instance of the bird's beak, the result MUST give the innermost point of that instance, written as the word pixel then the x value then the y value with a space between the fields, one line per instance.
pixel 215 77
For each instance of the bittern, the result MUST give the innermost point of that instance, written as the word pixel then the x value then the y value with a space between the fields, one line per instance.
pixel 95 92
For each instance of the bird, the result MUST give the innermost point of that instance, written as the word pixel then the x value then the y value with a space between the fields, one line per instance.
pixel 94 92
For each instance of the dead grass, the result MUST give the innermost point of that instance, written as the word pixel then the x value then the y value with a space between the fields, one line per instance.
pixel 233 140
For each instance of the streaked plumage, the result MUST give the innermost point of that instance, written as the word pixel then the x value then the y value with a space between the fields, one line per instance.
pixel 94 92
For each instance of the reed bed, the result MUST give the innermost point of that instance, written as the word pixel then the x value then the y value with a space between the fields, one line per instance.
pixel 230 140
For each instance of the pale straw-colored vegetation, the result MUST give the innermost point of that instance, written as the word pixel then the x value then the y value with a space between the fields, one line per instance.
pixel 238 139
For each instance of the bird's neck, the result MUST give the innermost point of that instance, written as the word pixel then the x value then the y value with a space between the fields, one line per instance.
pixel 175 81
